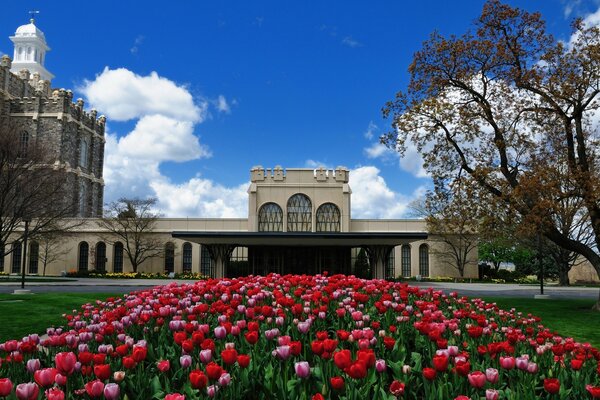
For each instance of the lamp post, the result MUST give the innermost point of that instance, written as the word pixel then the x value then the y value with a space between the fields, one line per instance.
pixel 27 220
pixel 540 262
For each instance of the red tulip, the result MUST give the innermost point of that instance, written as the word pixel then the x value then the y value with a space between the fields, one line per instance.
pixel 342 359
pixel 507 362
pixel 102 371
pixel 337 382
pixel 94 388
pixel 60 379
pixel 213 371
pixel 477 379
pixel 6 387
pixel 139 353
pixel 65 363
pixel 27 391
pixel 129 362
pixel 440 363
pixel 576 364
pixel 594 391
pixel 463 367
pixel 198 380
pixel 251 336
pixel 45 377
pixel 397 388
pixel 174 396
pixel 551 385
pixel 163 365
pixel 229 356
pixel 357 370
pixel 243 360
pixel 317 396
pixel 429 373
pixel 55 394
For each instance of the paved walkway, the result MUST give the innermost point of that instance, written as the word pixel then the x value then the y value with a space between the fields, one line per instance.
pixel 94 285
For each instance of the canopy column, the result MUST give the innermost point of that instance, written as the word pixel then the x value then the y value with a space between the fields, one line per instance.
pixel 220 254
pixel 378 255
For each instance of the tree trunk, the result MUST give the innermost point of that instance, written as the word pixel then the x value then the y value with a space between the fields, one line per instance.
pixel 563 276
pixel 596 307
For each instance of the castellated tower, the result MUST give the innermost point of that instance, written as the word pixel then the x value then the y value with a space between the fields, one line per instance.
pixel 75 137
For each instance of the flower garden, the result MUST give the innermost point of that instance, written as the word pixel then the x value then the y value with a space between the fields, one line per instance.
pixel 297 337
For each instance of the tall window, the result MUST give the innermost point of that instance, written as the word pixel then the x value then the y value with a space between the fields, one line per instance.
pixel 118 257
pixel 34 255
pixel 299 213
pixel 328 218
pixel 405 260
pixel 270 218
pixel 424 260
pixel 84 252
pixel 207 267
pixel 390 266
pixel 101 256
pixel 169 258
pixel 83 152
pixel 2 258
pixel 82 198
pixel 187 257
pixel 23 144
pixel 16 258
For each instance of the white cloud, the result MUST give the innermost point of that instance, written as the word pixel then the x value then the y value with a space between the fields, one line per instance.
pixel 316 164
pixel 222 105
pixel 371 129
pixel 412 161
pixel 376 150
pixel 123 95
pixel 165 116
pixel 372 198
pixel 351 42
pixel 136 44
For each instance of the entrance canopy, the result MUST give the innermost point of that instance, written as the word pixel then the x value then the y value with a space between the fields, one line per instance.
pixel 306 248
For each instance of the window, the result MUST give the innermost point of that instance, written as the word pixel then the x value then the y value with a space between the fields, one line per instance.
pixel 2 258
pixel 390 265
pixel 118 257
pixel 187 258
pixel 84 250
pixel 328 218
pixel 101 257
pixel 23 144
pixel 424 260
pixel 405 260
pixel 299 213
pixel 82 198
pixel 16 258
pixel 169 258
pixel 206 263
pixel 270 218
pixel 83 152
pixel 34 255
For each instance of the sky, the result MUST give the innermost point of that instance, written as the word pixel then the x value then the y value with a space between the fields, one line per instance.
pixel 197 93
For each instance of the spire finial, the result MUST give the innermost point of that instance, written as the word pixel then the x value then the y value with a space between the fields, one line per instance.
pixel 32 14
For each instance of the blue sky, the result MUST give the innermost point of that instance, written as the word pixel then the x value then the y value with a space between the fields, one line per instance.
pixel 197 93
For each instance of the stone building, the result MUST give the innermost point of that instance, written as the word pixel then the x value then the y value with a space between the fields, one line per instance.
pixel 74 137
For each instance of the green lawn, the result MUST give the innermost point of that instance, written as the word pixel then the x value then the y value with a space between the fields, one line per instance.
pixel 572 318
pixel 36 312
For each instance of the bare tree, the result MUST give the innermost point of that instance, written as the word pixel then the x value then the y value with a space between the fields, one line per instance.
pixel 132 221
pixel 31 186
pixel 52 248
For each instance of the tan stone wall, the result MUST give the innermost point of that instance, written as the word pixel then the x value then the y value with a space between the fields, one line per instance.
pixel 583 273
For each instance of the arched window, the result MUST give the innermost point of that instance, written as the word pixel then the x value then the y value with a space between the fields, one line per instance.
pixel 101 256
pixel 84 250
pixel 34 255
pixel 16 257
pixel 83 152
pixel 23 144
pixel 118 257
pixel 169 257
pixel 187 257
pixel 424 260
pixel 328 218
pixel 270 218
pixel 299 213
pixel 405 260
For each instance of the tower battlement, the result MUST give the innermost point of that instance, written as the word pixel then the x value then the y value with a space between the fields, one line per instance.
pixel 258 174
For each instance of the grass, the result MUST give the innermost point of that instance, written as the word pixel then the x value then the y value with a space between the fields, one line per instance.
pixel 569 318
pixel 36 312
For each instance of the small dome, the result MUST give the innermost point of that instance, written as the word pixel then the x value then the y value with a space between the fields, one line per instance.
pixel 30 30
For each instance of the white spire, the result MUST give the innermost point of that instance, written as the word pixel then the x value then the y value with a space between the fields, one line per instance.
pixel 30 50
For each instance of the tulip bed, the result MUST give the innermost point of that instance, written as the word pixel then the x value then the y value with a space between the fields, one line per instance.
pixel 295 337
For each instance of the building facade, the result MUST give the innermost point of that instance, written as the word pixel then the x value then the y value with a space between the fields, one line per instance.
pixel 73 137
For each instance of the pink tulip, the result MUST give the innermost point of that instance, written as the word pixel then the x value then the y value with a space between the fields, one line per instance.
pixel 282 352
pixel 27 391
pixel 507 362
pixel 205 356
pixel 185 361
pixel 33 365
pixel 220 332
pixel 60 380
pixel 491 394
pixel 111 391
pixel 522 362
pixel 211 390
pixel 118 376
pixel 224 379
pixel 380 365
pixel 532 368
pixel 45 377
pixel 302 369
pixel 55 394
pixel 477 379
pixel 94 388
pixel 65 363
pixel 174 396
pixel 6 387
pixel 492 375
